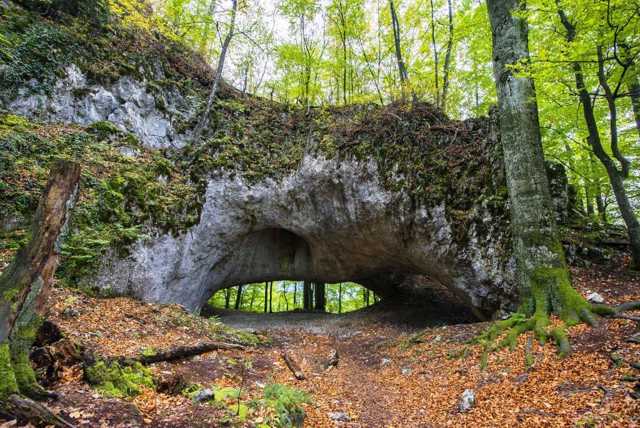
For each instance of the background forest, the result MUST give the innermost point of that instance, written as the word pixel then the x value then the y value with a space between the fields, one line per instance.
pixel 312 53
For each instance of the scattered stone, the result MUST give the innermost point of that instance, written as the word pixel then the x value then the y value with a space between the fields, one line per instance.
pixel 595 298
pixel 203 395
pixel 385 361
pixel 634 338
pixel 333 359
pixel 406 371
pixel 467 400
pixel 70 312
pixel 522 378
pixel 339 416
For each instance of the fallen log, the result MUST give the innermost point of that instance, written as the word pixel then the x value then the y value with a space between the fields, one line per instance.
pixel 178 353
pixel 293 366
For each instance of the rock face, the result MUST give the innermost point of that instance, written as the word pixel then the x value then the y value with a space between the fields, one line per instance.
pixel 329 221
pixel 127 103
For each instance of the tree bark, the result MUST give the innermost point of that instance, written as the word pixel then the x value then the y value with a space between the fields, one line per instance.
pixel 542 274
pixel 634 94
pixel 238 303
pixel 402 68
pixel 447 60
pixel 436 59
pixel 307 296
pixel 319 295
pixel 25 283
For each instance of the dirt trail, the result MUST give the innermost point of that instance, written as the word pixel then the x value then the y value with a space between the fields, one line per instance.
pixel 395 369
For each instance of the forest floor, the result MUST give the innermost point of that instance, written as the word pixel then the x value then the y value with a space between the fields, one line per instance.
pixel 389 374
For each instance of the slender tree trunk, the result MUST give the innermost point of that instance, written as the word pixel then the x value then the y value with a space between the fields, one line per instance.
pixel 307 296
pixel 266 296
pixel 320 296
pixel 588 198
pixel 227 298
pixel 402 69
pixel 340 298
pixel 542 273
pixel 295 294
pixel 616 176
pixel 238 303
pixel 204 120
pixel 634 94
pixel 25 283
pixel 436 62
pixel 447 61
pixel 253 297
pixel 271 297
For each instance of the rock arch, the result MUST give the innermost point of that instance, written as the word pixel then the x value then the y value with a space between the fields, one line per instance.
pixel 329 221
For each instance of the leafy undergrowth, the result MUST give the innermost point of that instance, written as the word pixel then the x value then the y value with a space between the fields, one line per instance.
pixel 387 375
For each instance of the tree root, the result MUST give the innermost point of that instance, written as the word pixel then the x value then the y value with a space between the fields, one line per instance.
pixel 505 333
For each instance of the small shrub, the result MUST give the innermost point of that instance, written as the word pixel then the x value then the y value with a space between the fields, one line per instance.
pixel 287 403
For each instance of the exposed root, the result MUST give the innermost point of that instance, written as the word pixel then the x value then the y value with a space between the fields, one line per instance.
pixel 504 333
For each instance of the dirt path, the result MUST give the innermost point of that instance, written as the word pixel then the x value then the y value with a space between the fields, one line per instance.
pixel 396 369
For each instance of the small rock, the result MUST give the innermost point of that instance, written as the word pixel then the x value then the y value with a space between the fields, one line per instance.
pixel 634 338
pixel 385 361
pixel 467 400
pixel 406 371
pixel 70 312
pixel 339 416
pixel 595 298
pixel 204 395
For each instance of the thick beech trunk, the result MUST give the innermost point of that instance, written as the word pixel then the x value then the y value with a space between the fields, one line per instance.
pixel 543 276
pixel 24 285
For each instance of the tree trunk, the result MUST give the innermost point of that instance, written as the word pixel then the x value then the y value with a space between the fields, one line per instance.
pixel 25 283
pixel 266 296
pixel 307 296
pixel 616 176
pixel 204 120
pixel 447 61
pixel 238 303
pixel 542 273
pixel 295 294
pixel 253 297
pixel 271 297
pixel 340 298
pixel 227 298
pixel 320 296
pixel 402 69
pixel 434 47
pixel 634 94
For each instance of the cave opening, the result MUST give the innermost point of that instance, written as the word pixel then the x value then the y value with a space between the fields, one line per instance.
pixel 293 296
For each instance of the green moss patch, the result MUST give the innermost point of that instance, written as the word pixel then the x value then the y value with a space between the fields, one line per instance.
pixel 113 380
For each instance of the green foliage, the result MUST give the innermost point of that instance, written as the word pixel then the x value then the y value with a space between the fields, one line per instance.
pixel 287 403
pixel 38 54
pixel 113 380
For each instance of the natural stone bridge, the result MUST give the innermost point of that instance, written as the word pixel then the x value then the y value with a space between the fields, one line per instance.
pixel 399 199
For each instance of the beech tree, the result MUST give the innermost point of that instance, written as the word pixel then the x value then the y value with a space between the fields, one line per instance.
pixel 542 273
